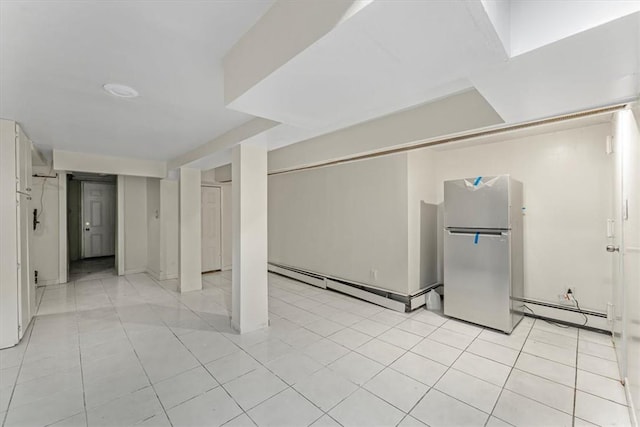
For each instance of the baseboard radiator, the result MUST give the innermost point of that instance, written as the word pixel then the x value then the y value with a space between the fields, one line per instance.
pixel 381 297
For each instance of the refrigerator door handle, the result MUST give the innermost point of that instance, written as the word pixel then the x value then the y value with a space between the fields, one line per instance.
pixel 481 233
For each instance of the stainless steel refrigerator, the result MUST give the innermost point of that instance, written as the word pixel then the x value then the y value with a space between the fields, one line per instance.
pixel 483 265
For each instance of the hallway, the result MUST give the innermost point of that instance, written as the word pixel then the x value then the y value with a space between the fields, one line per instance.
pixel 131 350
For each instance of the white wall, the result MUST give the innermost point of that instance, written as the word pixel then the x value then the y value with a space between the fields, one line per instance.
pixel 135 224
pixel 344 220
pixel 45 239
pixel 169 229
pixel 567 179
pixel 153 227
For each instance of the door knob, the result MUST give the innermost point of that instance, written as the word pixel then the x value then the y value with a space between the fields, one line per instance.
pixel 611 248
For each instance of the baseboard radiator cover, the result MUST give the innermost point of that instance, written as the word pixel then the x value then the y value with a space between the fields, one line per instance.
pixel 378 296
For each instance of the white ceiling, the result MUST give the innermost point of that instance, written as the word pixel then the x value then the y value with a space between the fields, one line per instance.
pixel 56 55
pixel 528 58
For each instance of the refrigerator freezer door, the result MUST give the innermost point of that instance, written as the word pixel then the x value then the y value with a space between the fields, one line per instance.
pixel 481 202
pixel 477 277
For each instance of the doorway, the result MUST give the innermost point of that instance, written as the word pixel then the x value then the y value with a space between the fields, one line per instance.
pixel 211 216
pixel 91 225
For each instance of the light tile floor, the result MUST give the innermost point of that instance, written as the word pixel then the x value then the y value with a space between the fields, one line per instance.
pixel 132 350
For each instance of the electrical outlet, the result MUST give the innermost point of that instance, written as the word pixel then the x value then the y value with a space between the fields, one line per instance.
pixel 567 296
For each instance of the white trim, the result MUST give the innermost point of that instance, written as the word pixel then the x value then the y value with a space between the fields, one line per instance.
pixel 632 411
pixel 120 226
pixel 135 271
pixel 63 250
pixel 48 283
pixel 367 296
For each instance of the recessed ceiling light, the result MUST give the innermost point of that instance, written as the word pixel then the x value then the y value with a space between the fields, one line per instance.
pixel 122 91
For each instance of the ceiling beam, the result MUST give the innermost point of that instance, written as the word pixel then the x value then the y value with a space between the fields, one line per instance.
pixel 285 30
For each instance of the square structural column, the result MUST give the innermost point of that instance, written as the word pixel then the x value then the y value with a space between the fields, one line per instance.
pixel 190 230
pixel 249 206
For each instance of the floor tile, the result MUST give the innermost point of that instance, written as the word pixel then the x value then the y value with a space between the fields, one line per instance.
pixel 293 367
pixel 601 411
pixel 416 327
pixel 326 421
pixel 400 338
pixel 597 365
pixel 496 352
pixel 254 388
pixel 324 327
pixel 541 390
pixel 269 350
pixel 111 387
pixel 77 420
pixel 451 338
pixel 514 341
pixel 429 317
pixel 388 317
pixel 284 409
pixel 596 337
pixel 400 390
pixel 480 367
pixel 325 388
pixel 45 411
pixel 126 410
pixel 380 351
pixel 325 351
pixel 598 350
pixel 553 338
pixel 185 386
pixel 470 390
pixel 419 368
pixel 496 422
pixel 436 409
pixel 370 327
pixel 409 421
pixel 551 352
pixel 208 346
pixel 551 370
pixel 232 366
pixel 462 327
pixel 350 338
pixel 364 409
pixel 241 420
pixel 439 352
pixel 356 368
pixel 213 408
pixel 600 386
pixel 521 411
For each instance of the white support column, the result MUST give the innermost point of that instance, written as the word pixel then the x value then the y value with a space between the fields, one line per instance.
pixel 249 210
pixel 190 233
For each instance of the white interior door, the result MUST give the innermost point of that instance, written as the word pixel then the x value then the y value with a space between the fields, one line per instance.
pixel 98 219
pixel 211 231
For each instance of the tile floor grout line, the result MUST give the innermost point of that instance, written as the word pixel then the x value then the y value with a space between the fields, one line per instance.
pixel 84 391
pixel 508 376
pixel 575 384
pixel 137 356
pixel 15 382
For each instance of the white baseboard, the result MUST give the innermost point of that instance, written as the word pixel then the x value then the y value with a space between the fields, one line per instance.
pixel 226 268
pixel 48 282
pixel 169 276
pixel 135 271
pixel 576 318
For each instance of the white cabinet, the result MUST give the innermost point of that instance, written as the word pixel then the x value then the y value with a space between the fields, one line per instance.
pixel 17 291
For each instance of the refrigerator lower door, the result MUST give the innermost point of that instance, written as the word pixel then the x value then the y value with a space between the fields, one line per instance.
pixel 477 278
